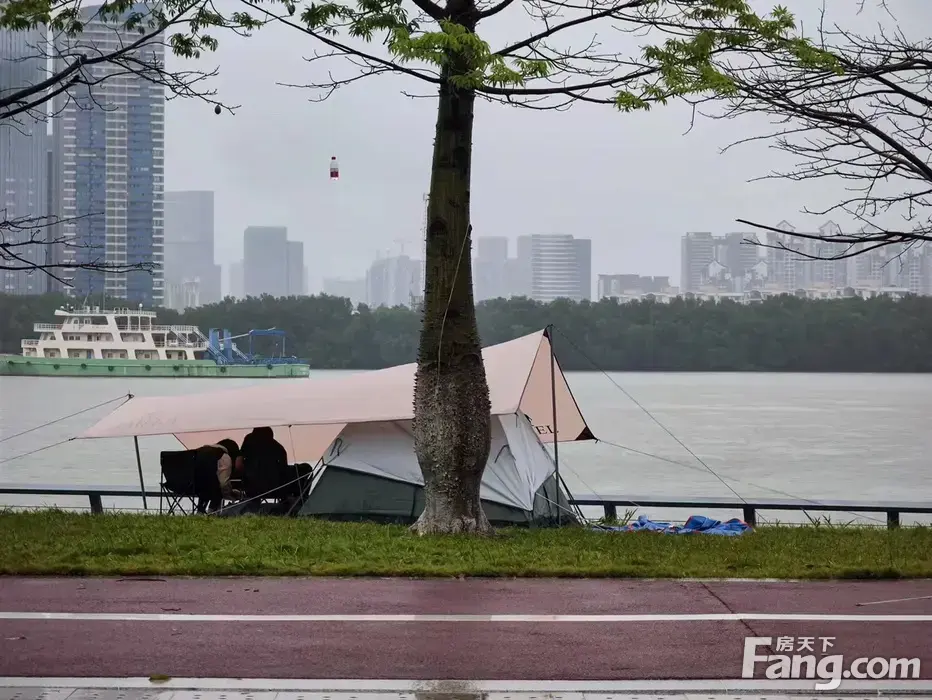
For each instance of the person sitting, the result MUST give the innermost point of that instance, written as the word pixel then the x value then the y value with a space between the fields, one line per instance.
pixel 265 463
pixel 225 458
pixel 229 468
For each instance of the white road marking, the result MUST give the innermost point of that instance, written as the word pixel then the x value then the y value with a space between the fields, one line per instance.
pixel 730 686
pixel 663 617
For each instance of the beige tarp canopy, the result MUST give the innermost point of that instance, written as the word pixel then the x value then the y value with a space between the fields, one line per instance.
pixel 308 414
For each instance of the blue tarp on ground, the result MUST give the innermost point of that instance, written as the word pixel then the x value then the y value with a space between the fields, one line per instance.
pixel 695 524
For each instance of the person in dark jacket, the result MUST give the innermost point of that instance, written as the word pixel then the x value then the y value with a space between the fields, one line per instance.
pixel 265 463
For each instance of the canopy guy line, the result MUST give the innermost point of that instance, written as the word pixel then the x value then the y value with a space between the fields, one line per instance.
pixel 653 418
pixel 737 481
pixel 32 452
pixel 125 397
pixel 689 466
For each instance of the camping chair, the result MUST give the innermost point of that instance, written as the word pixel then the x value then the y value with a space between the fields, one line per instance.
pixel 263 481
pixel 301 478
pixel 188 476
pixel 284 485
pixel 179 480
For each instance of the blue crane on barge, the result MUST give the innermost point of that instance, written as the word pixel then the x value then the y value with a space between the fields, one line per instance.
pixel 224 351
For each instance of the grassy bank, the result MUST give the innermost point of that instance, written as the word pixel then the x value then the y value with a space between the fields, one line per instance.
pixel 51 542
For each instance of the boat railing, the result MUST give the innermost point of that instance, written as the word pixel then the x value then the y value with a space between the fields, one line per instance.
pixel 95 311
pixel 192 344
pixel 46 326
pixel 28 342
pixel 177 329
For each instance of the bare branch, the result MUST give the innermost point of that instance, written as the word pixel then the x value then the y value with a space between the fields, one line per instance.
pixel 859 111
pixel 26 245
pixel 136 45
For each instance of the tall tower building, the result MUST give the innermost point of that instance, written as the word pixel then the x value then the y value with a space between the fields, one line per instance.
pixel 584 267
pixel 24 163
pixel 265 261
pixel 235 280
pixel 110 143
pixel 296 269
pixel 561 267
pixel 393 281
pixel 490 278
pixel 189 245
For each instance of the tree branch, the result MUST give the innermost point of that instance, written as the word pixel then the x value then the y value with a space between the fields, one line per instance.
pixel 858 111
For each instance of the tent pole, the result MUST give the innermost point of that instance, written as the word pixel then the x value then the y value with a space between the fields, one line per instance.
pixel 142 483
pixel 553 401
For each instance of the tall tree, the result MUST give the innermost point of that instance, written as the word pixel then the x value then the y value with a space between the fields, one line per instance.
pixel 852 108
pixel 438 45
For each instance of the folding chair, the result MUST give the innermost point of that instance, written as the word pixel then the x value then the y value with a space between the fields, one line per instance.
pixel 302 478
pixel 179 480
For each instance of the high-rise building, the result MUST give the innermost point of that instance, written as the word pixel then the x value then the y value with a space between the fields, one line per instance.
pixel 560 266
pixel 296 281
pixel 265 261
pixel 352 289
pixel 189 248
pixel 24 165
pixel 110 140
pixel 237 288
pixel 393 281
pixel 584 267
pixel 719 262
pixel 490 273
pixel 53 251
pixel 628 285
pixel 519 269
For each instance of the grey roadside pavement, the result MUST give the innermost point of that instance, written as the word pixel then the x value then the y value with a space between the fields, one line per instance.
pixel 26 688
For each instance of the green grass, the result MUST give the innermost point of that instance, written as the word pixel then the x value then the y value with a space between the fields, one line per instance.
pixel 55 542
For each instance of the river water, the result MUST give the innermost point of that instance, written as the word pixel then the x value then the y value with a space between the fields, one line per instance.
pixel 814 436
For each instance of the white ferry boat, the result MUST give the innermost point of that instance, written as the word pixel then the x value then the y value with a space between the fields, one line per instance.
pixel 91 341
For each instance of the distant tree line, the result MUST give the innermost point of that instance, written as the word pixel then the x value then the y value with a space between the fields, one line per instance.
pixel 782 334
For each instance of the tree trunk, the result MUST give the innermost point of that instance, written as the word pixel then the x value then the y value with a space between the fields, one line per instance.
pixel 452 425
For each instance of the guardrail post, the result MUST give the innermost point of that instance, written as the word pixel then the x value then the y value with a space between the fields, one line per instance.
pixel 893 519
pixel 750 516
pixel 96 505
pixel 611 513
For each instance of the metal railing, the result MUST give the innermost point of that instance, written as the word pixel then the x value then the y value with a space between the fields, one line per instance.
pixel 177 329
pixel 750 508
pixel 92 493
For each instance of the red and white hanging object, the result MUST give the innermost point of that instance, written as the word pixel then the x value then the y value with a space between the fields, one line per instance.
pixel 334 169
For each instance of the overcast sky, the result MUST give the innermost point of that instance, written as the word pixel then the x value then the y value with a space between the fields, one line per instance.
pixel 633 183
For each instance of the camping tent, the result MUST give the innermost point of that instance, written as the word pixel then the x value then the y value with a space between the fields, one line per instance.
pixel 358 430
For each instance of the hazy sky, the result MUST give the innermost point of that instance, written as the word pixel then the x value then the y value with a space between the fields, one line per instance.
pixel 633 183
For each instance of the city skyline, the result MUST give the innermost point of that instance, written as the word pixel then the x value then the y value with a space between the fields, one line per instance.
pixel 581 185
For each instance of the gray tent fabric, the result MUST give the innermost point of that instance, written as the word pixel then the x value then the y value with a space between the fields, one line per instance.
pixel 345 494
pixel 371 472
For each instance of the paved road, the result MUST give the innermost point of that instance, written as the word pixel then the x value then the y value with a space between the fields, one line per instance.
pixel 633 629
